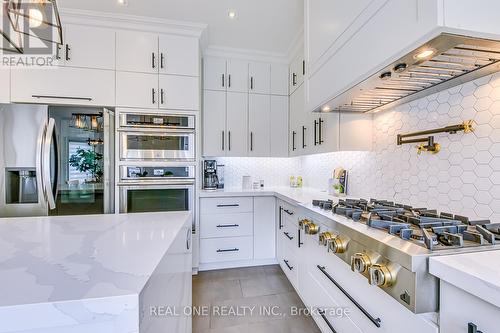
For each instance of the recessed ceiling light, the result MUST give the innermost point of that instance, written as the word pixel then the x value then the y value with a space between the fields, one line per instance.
pixel 123 2
pixel 424 54
pixel 232 14
pixel 326 108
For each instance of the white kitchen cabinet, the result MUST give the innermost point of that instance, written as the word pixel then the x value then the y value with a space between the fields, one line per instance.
pixel 5 85
pixel 214 123
pixel 259 127
pixel 299 124
pixel 356 132
pixel 259 78
pixel 264 222
pixel 137 90
pixel 236 124
pixel 179 92
pixel 64 85
pixel 279 79
pixel 137 51
pixel 458 308
pixel 279 126
pixel 179 55
pixel 237 76
pixel 326 128
pixel 214 73
pixel 87 47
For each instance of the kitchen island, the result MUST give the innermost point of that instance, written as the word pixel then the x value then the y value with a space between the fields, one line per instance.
pixel 96 273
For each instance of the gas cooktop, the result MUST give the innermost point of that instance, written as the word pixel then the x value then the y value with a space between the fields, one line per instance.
pixel 422 226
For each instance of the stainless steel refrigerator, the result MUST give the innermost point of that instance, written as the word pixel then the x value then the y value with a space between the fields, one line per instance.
pixel 56 160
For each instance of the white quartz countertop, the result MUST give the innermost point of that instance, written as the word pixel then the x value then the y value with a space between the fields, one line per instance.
pixel 476 273
pixel 60 259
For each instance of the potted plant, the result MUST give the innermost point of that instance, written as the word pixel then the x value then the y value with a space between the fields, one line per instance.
pixel 87 161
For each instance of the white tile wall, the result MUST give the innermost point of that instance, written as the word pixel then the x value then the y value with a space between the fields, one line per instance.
pixel 464 178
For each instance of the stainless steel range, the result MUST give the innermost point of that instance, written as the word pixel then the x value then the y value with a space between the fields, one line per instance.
pixel 390 244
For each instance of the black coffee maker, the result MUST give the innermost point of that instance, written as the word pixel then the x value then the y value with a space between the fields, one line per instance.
pixel 210 178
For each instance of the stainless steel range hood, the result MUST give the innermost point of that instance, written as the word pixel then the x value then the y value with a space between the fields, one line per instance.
pixel 445 61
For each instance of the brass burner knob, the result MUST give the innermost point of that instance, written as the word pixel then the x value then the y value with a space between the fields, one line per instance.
pixel 326 237
pixel 360 262
pixel 311 228
pixel 303 223
pixel 338 245
pixel 381 275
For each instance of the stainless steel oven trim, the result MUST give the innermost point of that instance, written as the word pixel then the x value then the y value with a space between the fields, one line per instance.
pixel 126 154
pixel 123 121
pixel 125 179
pixel 125 188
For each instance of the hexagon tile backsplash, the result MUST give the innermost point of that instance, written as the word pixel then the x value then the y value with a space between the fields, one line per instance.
pixel 464 178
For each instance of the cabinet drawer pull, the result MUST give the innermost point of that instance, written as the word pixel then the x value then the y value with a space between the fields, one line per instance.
pixel 375 321
pixel 288 212
pixel 63 97
pixel 153 95
pixel 251 141
pixel 58 49
pixel 229 140
pixel 315 133
pixel 320 131
pixel 300 243
pixel 473 328
pixel 223 140
pixel 304 137
pixel 228 226
pixel 251 83
pixel 153 60
pixel 287 234
pixel 67 52
pixel 162 96
pixel 229 81
pixel 303 67
pixel 162 60
pixel 228 205
pixel 223 80
pixel 322 314
pixel 293 140
pixel 228 250
pixel 288 265
pixel 294 79
pixel 280 218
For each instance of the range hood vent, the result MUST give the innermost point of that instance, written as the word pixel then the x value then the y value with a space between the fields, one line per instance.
pixel 444 62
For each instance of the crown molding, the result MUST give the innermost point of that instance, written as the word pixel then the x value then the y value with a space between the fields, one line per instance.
pixel 132 22
pixel 296 46
pixel 245 54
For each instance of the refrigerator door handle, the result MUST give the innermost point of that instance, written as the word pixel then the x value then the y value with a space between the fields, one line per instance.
pixel 39 163
pixel 50 191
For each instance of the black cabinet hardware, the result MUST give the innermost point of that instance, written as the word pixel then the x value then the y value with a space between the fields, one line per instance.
pixel 153 60
pixel 323 315
pixel 228 225
pixel 251 141
pixel 63 97
pixel 280 218
pixel 153 96
pixel 288 265
pixel 58 49
pixel 375 321
pixel 229 140
pixel 228 205
pixel 228 250
pixel 288 212
pixel 223 140
pixel 251 83
pixel 320 131
pixel 288 235
pixel 316 142
pixel 304 137
pixel 67 52
pixel 294 79
pixel 229 80
pixel 223 80
pixel 473 328
pixel 162 96
pixel 303 67
pixel 162 60
pixel 300 243
pixel 293 140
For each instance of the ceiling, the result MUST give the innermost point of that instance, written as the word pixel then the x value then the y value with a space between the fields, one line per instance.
pixel 268 26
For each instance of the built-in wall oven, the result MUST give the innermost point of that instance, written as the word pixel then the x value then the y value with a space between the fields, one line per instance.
pixel 156 188
pixel 156 136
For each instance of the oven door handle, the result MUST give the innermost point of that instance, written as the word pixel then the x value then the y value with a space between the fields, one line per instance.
pixel 171 182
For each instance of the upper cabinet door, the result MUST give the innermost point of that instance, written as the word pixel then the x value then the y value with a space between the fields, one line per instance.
pixel 137 90
pixel 279 79
pixel 279 126
pixel 259 127
pixel 88 47
pixel 214 123
pixel 5 85
pixel 237 76
pixel 260 78
pixel 179 55
pixel 236 124
pixel 179 92
pixel 214 73
pixel 136 52
pixel 297 72
pixel 326 132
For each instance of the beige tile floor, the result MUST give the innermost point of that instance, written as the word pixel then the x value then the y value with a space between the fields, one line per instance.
pixel 242 289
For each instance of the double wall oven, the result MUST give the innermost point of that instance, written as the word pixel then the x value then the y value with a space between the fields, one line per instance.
pixel 157 167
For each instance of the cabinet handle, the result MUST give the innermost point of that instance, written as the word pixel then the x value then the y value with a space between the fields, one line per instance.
pixel 280 218
pixel 223 140
pixel 315 132
pixel 153 95
pixel 293 140
pixel 228 205
pixel 288 235
pixel 153 60
pixel 67 52
pixel 320 131
pixel 162 96
pixel 303 67
pixel 251 83
pixel 322 314
pixel 375 321
pixel 162 59
pixel 228 225
pixel 223 80
pixel 251 141
pixel 300 243
pixel 229 140
pixel 58 49
pixel 188 239
pixel 63 97
pixel 294 79
pixel 228 250
pixel 288 265
pixel 288 212
pixel 229 81
pixel 473 328
pixel 304 137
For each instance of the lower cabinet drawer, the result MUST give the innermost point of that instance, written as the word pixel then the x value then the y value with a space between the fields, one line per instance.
pixel 226 225
pixel 290 265
pixel 229 205
pixel 226 249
